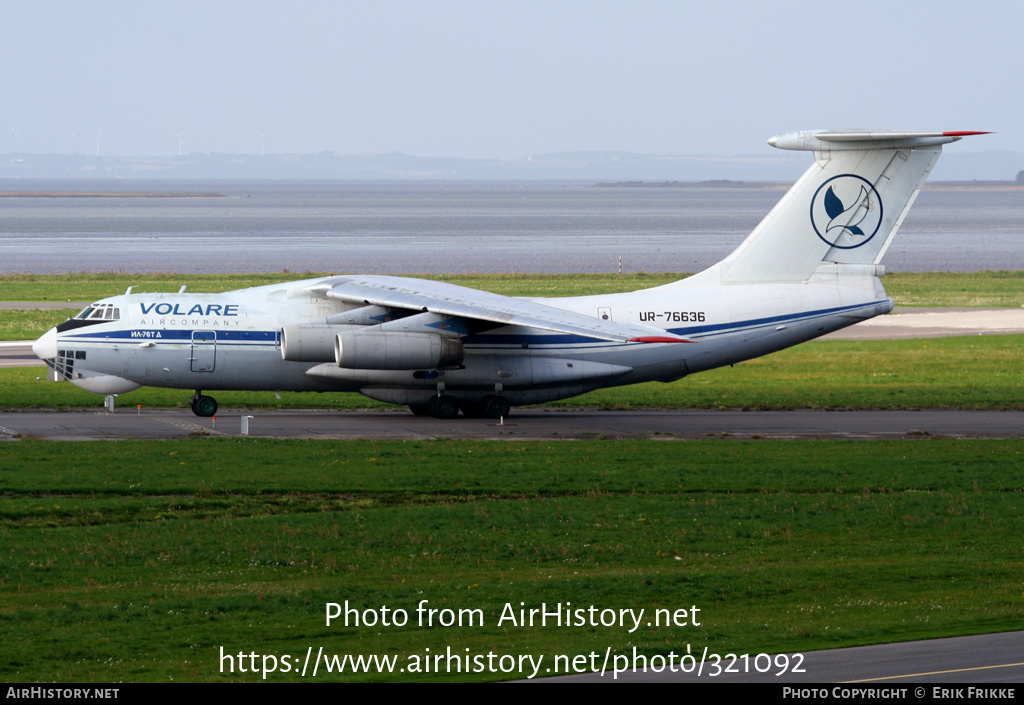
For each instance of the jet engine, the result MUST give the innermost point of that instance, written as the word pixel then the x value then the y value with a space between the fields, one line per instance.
pixel 305 343
pixel 397 351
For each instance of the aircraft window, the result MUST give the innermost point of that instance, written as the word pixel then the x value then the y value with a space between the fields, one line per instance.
pixel 91 315
pixel 100 312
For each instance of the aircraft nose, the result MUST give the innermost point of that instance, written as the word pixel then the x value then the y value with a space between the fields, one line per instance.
pixel 46 347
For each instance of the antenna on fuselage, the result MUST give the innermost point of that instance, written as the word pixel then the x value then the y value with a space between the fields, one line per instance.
pixel 182 289
pixel 129 290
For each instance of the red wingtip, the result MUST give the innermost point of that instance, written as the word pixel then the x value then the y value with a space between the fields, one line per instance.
pixel 963 133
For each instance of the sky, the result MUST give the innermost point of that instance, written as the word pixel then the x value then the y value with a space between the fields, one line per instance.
pixel 497 79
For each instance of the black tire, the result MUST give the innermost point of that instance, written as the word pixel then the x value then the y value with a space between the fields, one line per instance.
pixel 204 406
pixel 443 407
pixel 495 407
pixel 419 409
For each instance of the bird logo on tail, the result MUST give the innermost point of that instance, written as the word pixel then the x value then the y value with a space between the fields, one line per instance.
pixel 846 211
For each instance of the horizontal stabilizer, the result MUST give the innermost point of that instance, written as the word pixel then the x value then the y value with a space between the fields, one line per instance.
pixel 846 140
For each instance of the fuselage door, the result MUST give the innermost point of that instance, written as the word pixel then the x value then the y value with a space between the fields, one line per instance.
pixel 204 351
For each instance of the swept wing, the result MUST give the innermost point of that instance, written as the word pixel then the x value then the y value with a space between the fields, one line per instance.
pixel 463 302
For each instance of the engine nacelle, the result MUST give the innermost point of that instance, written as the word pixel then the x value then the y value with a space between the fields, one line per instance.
pixel 397 351
pixel 306 343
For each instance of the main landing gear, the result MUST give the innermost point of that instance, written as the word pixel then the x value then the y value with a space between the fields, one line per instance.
pixel 203 405
pixel 444 406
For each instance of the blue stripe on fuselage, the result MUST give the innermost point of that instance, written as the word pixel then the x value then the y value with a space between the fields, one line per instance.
pixel 158 334
pixel 691 331
pixel 480 339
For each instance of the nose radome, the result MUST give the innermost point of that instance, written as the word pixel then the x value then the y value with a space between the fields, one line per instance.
pixel 46 347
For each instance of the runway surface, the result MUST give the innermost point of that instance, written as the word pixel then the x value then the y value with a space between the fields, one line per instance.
pixel 18 353
pixel 524 424
pixel 934 323
pixel 983 659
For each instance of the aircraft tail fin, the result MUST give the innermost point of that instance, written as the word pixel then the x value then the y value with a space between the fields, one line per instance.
pixel 844 210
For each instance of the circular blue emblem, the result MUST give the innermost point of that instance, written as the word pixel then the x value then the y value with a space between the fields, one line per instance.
pixel 846 211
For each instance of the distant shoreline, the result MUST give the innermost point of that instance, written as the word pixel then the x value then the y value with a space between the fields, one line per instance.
pixel 726 183
pixel 103 194
pixel 712 183
pixel 975 184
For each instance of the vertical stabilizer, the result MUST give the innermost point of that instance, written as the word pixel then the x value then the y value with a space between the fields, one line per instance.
pixel 844 210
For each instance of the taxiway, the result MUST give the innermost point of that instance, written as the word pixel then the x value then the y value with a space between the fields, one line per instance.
pixel 524 424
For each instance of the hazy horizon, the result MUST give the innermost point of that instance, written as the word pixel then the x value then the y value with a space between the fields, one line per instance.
pixel 502 80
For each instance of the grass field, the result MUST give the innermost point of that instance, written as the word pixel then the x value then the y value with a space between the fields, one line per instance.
pixel 976 372
pixel 140 560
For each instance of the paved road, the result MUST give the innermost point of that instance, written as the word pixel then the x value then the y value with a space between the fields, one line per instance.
pixel 18 353
pixel 984 659
pixel 935 323
pixel 43 305
pixel 523 424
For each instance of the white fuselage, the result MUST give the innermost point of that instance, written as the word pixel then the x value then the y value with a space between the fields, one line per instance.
pixel 233 340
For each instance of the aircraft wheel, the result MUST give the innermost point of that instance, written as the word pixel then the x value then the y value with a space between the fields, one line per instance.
pixel 443 407
pixel 204 406
pixel 495 407
pixel 419 409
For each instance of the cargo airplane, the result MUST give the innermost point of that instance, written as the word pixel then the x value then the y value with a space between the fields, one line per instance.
pixel 809 268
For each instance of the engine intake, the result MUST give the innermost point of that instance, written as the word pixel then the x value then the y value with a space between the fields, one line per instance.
pixel 305 343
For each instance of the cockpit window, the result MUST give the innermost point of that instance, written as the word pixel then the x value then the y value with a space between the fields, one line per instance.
pixel 90 316
pixel 99 312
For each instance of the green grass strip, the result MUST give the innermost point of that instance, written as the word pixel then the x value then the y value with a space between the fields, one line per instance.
pixel 140 560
